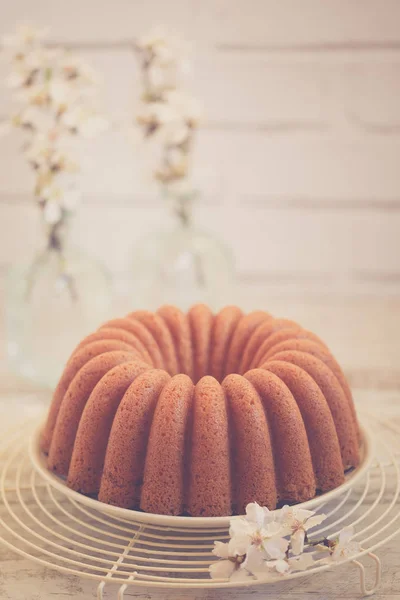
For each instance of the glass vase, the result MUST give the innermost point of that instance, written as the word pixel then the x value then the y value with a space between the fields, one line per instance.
pixel 51 303
pixel 181 265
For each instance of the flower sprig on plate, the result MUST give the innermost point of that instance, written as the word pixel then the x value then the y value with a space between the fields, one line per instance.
pixel 168 114
pixel 54 90
pixel 267 545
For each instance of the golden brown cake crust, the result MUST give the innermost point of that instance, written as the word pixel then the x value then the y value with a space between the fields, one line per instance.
pixel 245 327
pixel 223 328
pixel 178 325
pixel 148 414
pixel 320 352
pixel 322 437
pixel 209 469
pixel 282 336
pixel 260 334
pixel 76 362
pixel 126 451
pixel 73 404
pixel 91 440
pixel 143 335
pixel 164 472
pixel 155 324
pixel 113 333
pixel 336 399
pixel 293 464
pixel 200 321
pixel 253 464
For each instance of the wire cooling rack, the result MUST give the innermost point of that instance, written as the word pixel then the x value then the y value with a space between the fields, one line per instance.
pixel 42 524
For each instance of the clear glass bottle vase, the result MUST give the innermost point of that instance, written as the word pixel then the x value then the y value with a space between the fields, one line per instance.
pixel 181 265
pixel 51 303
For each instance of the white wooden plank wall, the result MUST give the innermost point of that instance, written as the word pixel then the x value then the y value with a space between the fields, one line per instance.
pixel 298 162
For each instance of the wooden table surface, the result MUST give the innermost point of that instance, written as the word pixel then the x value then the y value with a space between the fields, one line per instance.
pixel 364 334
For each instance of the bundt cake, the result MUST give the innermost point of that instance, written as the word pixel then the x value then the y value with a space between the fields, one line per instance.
pixel 200 414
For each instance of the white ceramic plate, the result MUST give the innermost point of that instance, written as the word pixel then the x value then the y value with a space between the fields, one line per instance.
pixel 39 462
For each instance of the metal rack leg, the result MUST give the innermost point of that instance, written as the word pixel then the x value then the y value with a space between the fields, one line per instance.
pixel 121 591
pixel 100 589
pixel 378 573
pixel 101 586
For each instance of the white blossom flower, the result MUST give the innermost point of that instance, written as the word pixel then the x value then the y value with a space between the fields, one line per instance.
pixel 162 120
pixel 72 117
pixel 231 567
pixel 39 120
pixel 288 565
pixel 276 547
pixel 344 546
pixel 184 106
pixel 221 549
pixel 84 122
pixel 297 521
pixel 74 68
pixel 177 135
pixel 51 192
pixel 280 566
pixel 174 107
pixel 58 199
pixel 253 540
pixel 38 58
pixel 61 92
pixel 228 569
pixel 45 157
pixel 254 559
pixel 161 78
pixel 156 113
pixel 302 562
pixel 36 94
pixel 38 152
pixel 16 79
pixel 260 529
pixel 175 167
pixel 52 211
pixel 223 569
pixel 260 515
pixel 165 47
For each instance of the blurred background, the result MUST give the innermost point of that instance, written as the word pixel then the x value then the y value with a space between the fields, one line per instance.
pixel 296 160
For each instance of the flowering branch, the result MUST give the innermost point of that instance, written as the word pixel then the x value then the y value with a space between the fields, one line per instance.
pixel 267 545
pixel 53 88
pixel 166 112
